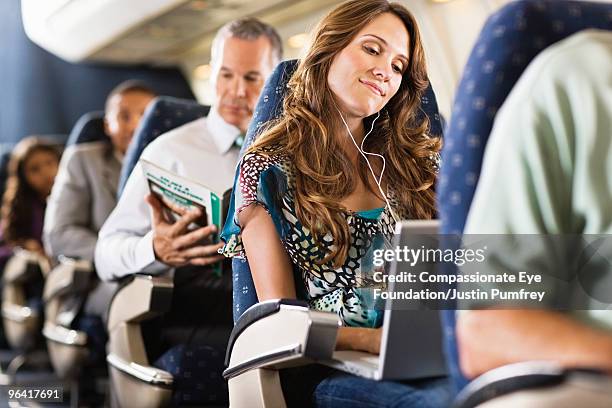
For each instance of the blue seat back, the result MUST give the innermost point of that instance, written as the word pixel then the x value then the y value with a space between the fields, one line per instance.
pixel 508 42
pixel 162 115
pixel 89 128
pixel 269 107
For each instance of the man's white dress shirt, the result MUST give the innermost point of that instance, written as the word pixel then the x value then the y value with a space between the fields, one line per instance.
pixel 202 150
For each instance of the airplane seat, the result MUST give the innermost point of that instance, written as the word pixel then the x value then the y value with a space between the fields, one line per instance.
pixel 21 293
pixel 89 128
pixel 22 288
pixel 22 311
pixel 73 339
pixel 302 336
pixel 144 359
pixel 163 114
pixel 510 39
pixel 536 384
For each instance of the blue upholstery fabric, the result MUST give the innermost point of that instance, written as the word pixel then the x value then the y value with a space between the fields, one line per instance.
pixel 270 103
pixel 243 288
pixel 162 115
pixel 197 374
pixel 89 128
pixel 510 39
pixel 269 107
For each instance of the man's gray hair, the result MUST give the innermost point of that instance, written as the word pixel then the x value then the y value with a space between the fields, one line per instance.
pixel 247 28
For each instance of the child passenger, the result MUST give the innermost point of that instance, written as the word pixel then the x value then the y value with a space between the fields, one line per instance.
pixel 319 188
pixel 31 173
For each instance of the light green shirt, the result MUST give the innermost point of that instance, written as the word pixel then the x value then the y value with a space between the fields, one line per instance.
pixel 548 163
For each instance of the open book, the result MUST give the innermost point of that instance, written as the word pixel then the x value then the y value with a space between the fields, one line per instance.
pixel 179 195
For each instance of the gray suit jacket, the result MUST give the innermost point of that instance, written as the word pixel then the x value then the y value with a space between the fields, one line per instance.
pixel 84 194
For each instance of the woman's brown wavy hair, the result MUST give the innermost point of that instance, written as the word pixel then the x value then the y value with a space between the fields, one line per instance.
pixel 16 212
pixel 324 174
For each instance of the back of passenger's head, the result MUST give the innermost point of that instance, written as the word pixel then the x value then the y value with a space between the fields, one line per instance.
pixel 250 29
pixel 124 108
pixel 31 172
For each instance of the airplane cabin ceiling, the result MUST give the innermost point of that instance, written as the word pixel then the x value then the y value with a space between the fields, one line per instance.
pixel 144 31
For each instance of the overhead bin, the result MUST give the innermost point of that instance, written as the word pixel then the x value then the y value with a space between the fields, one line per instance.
pixel 76 30
pixel 142 31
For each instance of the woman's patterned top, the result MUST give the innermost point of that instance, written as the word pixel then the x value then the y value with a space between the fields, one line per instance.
pixel 269 181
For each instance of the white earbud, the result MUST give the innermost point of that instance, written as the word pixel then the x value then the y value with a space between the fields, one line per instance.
pixel 378 180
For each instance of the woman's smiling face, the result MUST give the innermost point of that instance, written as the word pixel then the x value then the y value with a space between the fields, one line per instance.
pixel 366 74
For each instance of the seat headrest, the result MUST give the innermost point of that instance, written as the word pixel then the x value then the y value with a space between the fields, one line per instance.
pixel 270 103
pixel 163 114
pixel 510 39
pixel 89 128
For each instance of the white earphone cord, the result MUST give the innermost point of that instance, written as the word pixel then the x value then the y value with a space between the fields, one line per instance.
pixel 378 180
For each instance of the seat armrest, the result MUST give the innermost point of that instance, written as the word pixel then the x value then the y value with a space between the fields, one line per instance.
pixel 21 265
pixel 511 378
pixel 18 313
pixel 255 313
pixel 62 335
pixel 148 374
pixel 141 298
pixel 69 276
pixel 300 336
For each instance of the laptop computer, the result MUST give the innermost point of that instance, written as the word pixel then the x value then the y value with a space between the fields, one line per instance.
pixel 411 342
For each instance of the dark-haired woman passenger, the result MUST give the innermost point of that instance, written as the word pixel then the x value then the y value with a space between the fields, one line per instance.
pixel 31 172
pixel 326 183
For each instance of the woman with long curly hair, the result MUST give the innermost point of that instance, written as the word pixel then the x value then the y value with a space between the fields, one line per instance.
pixel 325 184
pixel 31 172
